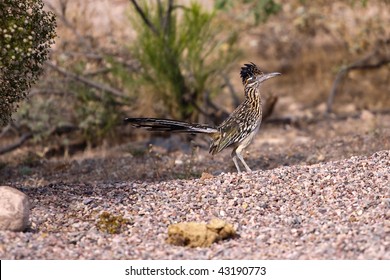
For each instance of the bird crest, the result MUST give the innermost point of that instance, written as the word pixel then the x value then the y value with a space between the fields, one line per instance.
pixel 249 70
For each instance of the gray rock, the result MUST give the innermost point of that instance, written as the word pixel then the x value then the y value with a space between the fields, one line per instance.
pixel 14 209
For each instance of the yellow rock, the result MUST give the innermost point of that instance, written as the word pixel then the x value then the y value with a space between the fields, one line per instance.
pixel 194 234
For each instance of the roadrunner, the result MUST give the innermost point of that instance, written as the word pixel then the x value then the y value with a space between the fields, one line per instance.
pixel 237 131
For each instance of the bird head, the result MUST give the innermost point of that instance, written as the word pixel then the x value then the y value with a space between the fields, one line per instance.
pixel 252 76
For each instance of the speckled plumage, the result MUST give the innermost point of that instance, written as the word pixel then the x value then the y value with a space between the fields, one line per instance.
pixel 235 131
pixel 241 122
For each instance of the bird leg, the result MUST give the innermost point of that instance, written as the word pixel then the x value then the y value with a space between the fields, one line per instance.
pixel 239 155
pixel 236 153
pixel 234 157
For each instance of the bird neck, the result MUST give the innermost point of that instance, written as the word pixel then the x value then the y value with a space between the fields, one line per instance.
pixel 252 94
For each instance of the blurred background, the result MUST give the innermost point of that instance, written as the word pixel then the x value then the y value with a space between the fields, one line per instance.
pixel 181 60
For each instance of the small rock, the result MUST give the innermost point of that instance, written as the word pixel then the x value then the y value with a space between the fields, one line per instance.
pixel 321 108
pixel 194 234
pixel 366 115
pixel 14 209
pixel 349 108
pixel 206 176
pixel 87 201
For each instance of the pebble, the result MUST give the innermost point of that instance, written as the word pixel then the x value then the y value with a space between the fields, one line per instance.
pixel 333 210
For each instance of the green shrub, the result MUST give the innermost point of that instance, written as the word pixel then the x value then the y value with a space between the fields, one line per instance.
pixel 26 33
pixel 183 55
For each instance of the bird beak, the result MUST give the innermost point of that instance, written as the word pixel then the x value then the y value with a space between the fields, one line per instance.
pixel 267 76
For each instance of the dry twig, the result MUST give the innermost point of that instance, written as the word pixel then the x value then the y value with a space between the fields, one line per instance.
pixel 86 81
pixel 17 144
pixel 380 59
pixel 144 17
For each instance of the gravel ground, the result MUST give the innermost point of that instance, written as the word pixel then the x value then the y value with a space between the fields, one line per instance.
pixel 333 210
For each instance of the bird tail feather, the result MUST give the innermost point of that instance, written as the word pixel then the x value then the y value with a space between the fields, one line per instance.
pixel 170 125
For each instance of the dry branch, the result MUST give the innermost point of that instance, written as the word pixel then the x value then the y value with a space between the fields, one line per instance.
pixel 86 81
pixel 167 19
pixel 59 130
pixel 17 144
pixel 144 17
pixel 363 64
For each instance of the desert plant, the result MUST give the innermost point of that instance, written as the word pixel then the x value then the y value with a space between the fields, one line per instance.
pixel 26 33
pixel 182 53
